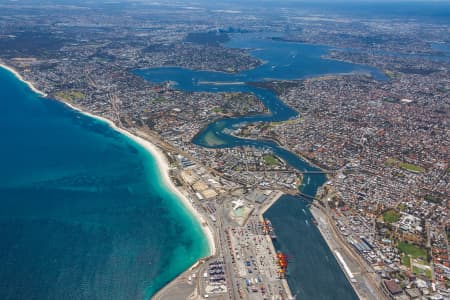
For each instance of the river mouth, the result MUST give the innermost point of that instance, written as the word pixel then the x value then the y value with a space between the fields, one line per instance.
pixel 314 265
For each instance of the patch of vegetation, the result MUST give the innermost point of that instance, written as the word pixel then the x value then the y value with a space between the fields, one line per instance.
pixel 442 89
pixel 404 166
pixel 290 121
pixel 70 95
pixel 391 216
pixel 33 43
pixel 419 271
pixel 390 74
pixel 391 162
pixel 217 110
pixel 412 250
pixel 159 100
pixel 406 260
pixel 271 160
pixel 177 181
pixel 433 199
pixel 411 167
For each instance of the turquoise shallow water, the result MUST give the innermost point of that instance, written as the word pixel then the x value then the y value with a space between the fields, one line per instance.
pixel 83 212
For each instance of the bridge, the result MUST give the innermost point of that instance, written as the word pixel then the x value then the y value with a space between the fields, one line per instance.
pixel 309 197
pixel 318 172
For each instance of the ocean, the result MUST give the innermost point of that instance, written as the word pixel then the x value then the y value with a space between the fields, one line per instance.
pixel 84 213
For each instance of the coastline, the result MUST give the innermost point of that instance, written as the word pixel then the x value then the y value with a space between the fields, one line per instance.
pixel 153 150
pixel 163 167
pixel 18 76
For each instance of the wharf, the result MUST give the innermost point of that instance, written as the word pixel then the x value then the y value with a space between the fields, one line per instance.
pixel 271 245
pixel 359 274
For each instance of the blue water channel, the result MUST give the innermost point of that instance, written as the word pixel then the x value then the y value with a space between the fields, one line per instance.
pixel 313 271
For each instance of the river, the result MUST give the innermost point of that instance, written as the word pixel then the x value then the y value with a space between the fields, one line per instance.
pixel 313 271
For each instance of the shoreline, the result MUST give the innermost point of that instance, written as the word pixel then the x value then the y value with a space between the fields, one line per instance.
pixel 153 150
pixel 163 170
pixel 261 213
pixel 350 266
pixel 322 169
pixel 18 76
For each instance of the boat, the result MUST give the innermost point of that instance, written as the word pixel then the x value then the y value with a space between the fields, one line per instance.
pixel 268 229
pixel 282 262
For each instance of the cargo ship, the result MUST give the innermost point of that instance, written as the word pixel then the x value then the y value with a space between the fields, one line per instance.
pixel 282 263
pixel 268 229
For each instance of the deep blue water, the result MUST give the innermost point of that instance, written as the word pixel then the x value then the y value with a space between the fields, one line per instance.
pixel 83 212
pixel 313 272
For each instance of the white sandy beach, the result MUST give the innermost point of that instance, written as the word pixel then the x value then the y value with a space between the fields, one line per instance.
pixel 163 167
pixel 30 85
pixel 159 156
